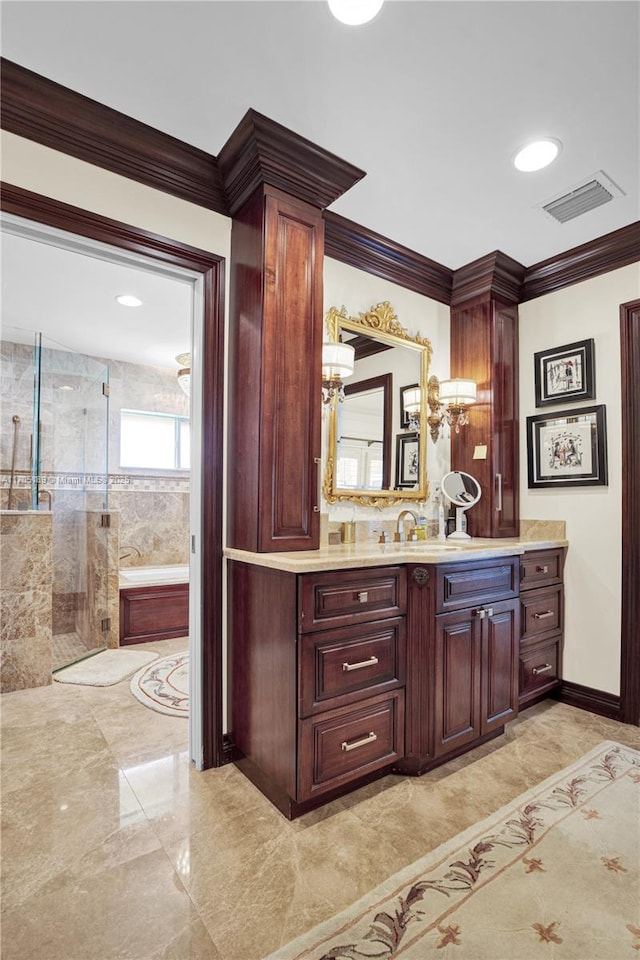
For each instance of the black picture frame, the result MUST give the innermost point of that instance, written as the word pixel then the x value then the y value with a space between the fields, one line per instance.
pixel 568 448
pixel 404 417
pixel 565 374
pixel 407 460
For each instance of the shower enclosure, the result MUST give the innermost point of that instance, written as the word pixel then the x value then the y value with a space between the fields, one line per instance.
pixel 54 459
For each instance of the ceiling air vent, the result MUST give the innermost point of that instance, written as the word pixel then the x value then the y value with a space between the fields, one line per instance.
pixel 595 191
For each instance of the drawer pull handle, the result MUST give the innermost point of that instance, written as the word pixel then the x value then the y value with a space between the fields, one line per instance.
pixel 371 662
pixel 543 616
pixel 363 596
pixel 544 569
pixel 370 738
pixel 536 670
pixel 483 612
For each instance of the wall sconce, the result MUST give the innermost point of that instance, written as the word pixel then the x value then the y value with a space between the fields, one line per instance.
pixel 448 402
pixel 184 374
pixel 337 365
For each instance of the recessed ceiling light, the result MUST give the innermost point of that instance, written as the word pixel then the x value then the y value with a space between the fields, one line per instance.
pixel 128 301
pixel 65 387
pixel 355 12
pixel 537 155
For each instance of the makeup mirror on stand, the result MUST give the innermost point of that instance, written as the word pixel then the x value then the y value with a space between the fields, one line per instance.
pixel 463 491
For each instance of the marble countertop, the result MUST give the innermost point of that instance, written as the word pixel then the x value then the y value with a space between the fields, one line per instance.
pixel 367 554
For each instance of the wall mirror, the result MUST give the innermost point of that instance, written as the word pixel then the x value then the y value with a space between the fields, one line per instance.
pixel 374 456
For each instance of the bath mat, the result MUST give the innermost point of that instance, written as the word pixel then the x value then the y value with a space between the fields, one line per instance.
pixel 164 686
pixel 553 874
pixel 106 668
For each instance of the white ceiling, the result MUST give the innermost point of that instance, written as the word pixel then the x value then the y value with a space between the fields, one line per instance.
pixel 69 297
pixel 432 99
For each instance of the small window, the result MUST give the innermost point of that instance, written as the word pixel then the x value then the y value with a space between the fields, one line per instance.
pixel 156 441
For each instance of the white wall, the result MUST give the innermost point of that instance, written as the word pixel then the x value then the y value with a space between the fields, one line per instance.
pixel 358 291
pixel 592 514
pixel 42 170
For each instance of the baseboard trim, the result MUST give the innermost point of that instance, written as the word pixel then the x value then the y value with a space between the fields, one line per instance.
pixel 587 698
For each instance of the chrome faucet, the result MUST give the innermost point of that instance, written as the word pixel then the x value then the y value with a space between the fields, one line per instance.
pixel 398 536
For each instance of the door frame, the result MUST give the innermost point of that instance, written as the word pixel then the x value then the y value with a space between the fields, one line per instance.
pixel 211 271
pixel 630 636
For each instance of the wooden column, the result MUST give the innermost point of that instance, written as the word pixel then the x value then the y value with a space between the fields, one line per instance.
pixel 484 347
pixel 277 186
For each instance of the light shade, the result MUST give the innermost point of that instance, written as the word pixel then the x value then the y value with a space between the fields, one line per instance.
pixel 184 375
pixel 457 392
pixel 537 155
pixel 355 12
pixel 411 400
pixel 337 360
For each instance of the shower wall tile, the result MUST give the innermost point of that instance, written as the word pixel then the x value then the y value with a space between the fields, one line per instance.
pixel 98 595
pixel 25 600
pixel 155 524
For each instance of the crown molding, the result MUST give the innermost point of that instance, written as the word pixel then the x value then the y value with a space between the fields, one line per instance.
pixel 493 277
pixel 610 252
pixel 362 248
pixel 261 151
pixel 38 109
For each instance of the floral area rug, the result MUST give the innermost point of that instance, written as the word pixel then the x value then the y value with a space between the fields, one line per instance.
pixel 164 685
pixel 555 875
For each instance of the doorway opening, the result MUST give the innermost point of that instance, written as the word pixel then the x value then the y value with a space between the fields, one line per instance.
pixel 199 331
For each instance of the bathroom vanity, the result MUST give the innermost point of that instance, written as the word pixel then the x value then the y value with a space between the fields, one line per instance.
pixel 350 662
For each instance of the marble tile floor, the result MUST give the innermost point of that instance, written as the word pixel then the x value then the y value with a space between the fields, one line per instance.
pixel 114 847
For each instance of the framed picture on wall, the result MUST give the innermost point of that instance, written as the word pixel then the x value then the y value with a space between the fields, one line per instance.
pixel 407 459
pixel 568 449
pixel 565 373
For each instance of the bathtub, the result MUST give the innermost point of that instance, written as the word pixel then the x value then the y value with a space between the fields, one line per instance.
pixel 146 576
pixel 154 603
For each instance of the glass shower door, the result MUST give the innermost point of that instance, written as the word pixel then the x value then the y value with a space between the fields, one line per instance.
pixel 71 454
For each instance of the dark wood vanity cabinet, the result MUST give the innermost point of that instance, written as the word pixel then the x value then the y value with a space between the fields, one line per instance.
pixel 542 622
pixel 337 677
pixel 317 663
pixel 462 669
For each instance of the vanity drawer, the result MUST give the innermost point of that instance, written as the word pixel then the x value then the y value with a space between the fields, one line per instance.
pixel 463 585
pixel 541 613
pixel 539 668
pixel 351 596
pixel 541 568
pixel 342 745
pixel 340 666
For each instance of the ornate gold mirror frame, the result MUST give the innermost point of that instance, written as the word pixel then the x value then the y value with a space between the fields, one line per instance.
pixel 379 323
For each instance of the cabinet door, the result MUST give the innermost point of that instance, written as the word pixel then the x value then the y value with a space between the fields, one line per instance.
pixel 275 342
pixel 457 710
pixel 505 521
pixel 500 664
